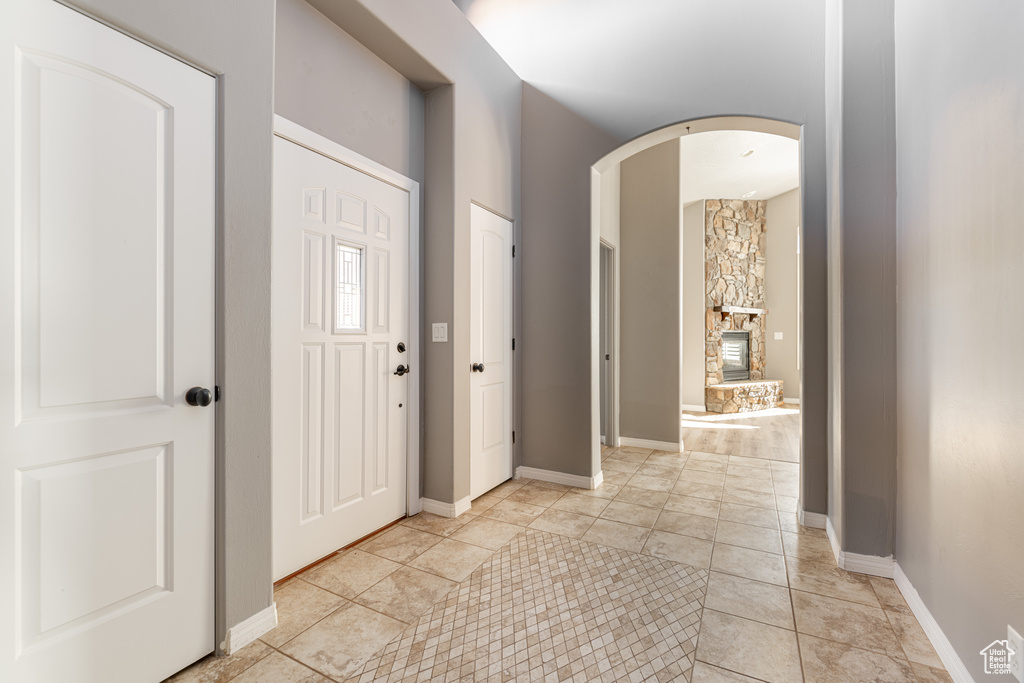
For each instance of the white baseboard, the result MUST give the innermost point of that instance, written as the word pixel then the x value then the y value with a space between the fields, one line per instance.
pixel 695 408
pixel 577 480
pixel 872 565
pixel 954 665
pixel 855 562
pixel 436 507
pixel 653 445
pixel 249 630
pixel 791 400
pixel 602 439
pixel 814 520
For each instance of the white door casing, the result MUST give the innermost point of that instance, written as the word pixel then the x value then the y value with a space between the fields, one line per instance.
pixel 345 426
pixel 107 197
pixel 490 346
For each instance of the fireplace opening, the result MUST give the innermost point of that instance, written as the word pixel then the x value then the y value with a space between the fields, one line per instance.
pixel 735 356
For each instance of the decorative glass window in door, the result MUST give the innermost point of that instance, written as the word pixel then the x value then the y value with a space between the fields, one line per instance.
pixel 348 301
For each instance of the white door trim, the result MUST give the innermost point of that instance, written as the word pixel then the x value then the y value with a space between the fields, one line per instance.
pixel 289 130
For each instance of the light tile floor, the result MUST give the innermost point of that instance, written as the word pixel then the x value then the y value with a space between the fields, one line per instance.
pixel 681 566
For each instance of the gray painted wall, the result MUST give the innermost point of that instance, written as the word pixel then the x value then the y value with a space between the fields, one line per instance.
pixel 782 225
pixel 649 287
pixel 558 150
pixel 863 314
pixel 692 375
pixel 960 146
pixel 328 82
pixel 235 39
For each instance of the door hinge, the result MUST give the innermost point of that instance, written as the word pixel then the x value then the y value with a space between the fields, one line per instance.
pixel 513 251
pixel 513 343
pixel 513 437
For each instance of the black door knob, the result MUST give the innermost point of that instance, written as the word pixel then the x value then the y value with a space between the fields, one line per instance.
pixel 478 367
pixel 402 369
pixel 198 396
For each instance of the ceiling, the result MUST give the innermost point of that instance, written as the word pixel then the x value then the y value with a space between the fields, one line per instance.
pixel 630 66
pixel 712 165
pixel 621 64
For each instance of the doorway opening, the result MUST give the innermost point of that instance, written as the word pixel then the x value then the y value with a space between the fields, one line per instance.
pixel 706 240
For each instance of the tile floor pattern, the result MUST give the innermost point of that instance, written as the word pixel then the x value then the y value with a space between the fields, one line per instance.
pixel 579 581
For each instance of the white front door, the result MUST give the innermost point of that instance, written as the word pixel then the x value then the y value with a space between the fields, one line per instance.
pixel 490 350
pixel 107 231
pixel 341 344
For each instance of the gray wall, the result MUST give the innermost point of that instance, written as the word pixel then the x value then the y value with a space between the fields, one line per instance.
pixel 692 375
pixel 235 39
pixel 782 225
pixel 330 83
pixel 472 153
pixel 649 287
pixel 960 146
pixel 863 284
pixel 558 150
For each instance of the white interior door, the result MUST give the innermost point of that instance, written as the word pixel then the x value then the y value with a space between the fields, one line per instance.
pixel 107 198
pixel 491 351
pixel 340 335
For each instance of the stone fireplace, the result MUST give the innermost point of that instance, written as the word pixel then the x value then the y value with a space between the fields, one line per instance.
pixel 734 270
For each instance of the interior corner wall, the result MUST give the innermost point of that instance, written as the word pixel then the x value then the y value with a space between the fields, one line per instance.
pixel 960 148
pixel 864 243
pixel 649 286
pixel 243 56
pixel 782 232
pixel 692 379
pixel 559 149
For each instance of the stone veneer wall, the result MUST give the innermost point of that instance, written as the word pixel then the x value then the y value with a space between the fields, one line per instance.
pixel 734 264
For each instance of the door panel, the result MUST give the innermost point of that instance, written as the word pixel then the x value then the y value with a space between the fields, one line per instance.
pixel 490 345
pixel 107 300
pixel 340 413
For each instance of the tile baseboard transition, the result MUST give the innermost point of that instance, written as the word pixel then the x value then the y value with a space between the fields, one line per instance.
pixel 653 445
pixel 814 520
pixel 243 633
pixel 436 507
pixel 577 480
pixel 872 565
pixel 692 407
pixel 954 665
pixel 795 401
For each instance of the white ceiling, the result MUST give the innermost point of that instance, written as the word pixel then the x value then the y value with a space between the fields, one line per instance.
pixel 711 165
pixel 631 66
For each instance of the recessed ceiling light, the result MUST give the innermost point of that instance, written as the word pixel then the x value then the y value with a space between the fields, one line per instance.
pixel 746 154
pixel 750 194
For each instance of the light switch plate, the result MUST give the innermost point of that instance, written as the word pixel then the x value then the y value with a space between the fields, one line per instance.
pixel 439 332
pixel 778 336
pixel 1016 644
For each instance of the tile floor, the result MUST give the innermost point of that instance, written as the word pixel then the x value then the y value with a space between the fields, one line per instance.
pixel 681 566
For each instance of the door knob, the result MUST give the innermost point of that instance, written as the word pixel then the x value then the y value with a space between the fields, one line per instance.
pixel 198 396
pixel 478 367
pixel 402 369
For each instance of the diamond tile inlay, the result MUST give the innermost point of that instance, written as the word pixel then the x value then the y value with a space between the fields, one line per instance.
pixel 547 607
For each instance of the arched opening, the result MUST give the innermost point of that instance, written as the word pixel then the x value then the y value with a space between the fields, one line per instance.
pixel 606 331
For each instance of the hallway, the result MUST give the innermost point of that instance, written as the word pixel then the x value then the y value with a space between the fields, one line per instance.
pixel 681 566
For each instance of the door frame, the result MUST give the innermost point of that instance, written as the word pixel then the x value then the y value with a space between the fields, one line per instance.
pixel 293 132
pixel 609 255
